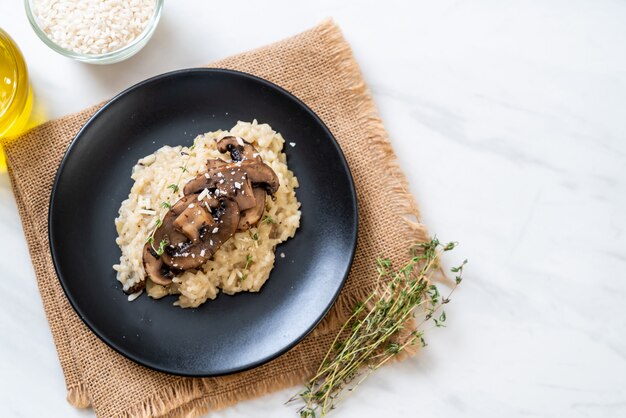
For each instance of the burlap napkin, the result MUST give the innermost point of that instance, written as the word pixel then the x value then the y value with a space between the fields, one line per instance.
pixel 318 67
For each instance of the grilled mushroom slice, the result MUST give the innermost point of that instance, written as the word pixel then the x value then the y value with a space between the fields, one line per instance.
pixel 214 163
pixel 229 197
pixel 155 268
pixel 251 216
pixel 189 245
pixel 229 179
pixel 167 231
pixel 262 175
pixel 187 255
pixel 194 221
pixel 238 148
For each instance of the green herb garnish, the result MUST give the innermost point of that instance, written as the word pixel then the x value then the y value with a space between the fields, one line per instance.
pixel 374 332
pixel 161 248
pixel 249 260
pixel 167 206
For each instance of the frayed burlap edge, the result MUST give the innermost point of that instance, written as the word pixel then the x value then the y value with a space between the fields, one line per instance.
pixel 190 398
pixel 78 396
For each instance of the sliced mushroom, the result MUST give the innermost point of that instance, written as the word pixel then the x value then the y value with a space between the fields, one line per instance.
pixel 187 256
pixel 214 163
pixel 194 221
pixel 167 231
pixel 232 198
pixel 155 268
pixel 262 175
pixel 251 216
pixel 230 179
pixel 238 148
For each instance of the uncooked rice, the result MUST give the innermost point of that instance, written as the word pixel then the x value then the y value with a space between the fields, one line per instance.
pixel 93 27
pixel 244 262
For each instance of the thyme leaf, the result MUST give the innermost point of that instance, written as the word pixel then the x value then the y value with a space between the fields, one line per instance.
pixel 161 248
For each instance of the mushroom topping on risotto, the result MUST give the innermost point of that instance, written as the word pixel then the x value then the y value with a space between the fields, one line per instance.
pixel 228 197
pixel 207 218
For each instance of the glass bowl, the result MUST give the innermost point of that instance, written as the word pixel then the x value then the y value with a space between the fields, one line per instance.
pixel 118 55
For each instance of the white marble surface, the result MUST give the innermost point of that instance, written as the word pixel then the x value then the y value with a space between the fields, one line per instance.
pixel 510 121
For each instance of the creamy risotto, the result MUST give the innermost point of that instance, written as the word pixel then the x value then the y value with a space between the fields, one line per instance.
pixel 243 262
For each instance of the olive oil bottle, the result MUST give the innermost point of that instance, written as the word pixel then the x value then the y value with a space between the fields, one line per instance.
pixel 16 96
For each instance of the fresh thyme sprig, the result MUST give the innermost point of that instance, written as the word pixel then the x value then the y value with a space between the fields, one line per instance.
pixel 167 205
pixel 375 333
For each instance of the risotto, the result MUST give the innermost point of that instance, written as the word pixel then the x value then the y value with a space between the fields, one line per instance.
pixel 243 262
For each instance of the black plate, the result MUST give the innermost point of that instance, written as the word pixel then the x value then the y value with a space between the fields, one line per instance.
pixel 231 333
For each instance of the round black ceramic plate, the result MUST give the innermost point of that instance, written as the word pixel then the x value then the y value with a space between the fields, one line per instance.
pixel 231 333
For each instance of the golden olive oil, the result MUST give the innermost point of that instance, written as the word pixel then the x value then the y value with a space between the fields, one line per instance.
pixel 16 97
